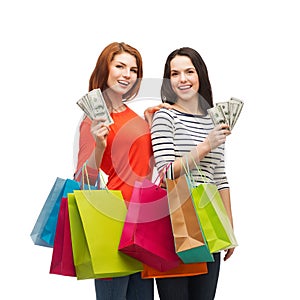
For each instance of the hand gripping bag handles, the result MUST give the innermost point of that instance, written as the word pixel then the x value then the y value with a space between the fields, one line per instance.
pixel 213 217
pixel 62 262
pixel 147 233
pixel 96 219
pixel 190 243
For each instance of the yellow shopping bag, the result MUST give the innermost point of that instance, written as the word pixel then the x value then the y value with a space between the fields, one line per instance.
pixel 96 221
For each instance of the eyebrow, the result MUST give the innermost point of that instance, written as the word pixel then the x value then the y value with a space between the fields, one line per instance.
pixel 123 64
pixel 187 69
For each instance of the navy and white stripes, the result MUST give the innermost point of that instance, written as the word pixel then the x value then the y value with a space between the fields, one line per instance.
pixel 175 134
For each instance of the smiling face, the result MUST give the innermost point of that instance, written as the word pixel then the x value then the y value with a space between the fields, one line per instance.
pixel 184 78
pixel 122 74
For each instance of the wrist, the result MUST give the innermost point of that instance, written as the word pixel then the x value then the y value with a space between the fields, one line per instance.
pixel 203 149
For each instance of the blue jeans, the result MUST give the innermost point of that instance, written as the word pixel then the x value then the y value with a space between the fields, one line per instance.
pixel 199 287
pixel 131 287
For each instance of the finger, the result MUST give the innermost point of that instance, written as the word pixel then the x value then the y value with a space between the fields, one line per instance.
pixel 224 132
pixel 224 126
pixel 103 130
pixel 103 125
pixel 99 128
pixel 99 120
pixel 166 105
pixel 217 127
pixel 228 254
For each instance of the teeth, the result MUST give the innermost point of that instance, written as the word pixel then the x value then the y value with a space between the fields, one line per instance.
pixel 184 87
pixel 124 82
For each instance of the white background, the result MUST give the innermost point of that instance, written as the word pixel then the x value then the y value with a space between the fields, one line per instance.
pixel 251 48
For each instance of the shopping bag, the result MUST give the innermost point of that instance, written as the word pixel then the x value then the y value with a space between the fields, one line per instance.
pixel 48 233
pixel 62 262
pixel 96 220
pixel 147 232
pixel 44 228
pixel 190 243
pixel 179 271
pixel 214 219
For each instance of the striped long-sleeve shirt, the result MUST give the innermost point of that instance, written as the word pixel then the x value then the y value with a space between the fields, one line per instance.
pixel 174 134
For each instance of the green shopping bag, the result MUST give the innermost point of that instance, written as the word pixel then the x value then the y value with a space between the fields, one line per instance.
pixel 96 221
pixel 213 217
pixel 212 213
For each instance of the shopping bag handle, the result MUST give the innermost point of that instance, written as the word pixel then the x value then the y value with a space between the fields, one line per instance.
pixel 189 174
pixel 82 182
pixel 162 174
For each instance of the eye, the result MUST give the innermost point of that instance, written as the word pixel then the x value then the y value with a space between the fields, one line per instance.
pixel 119 66
pixel 134 71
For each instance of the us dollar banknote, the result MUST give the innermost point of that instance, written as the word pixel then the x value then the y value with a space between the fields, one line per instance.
pixel 94 106
pixel 226 112
pixel 217 115
pixel 225 107
pixel 236 106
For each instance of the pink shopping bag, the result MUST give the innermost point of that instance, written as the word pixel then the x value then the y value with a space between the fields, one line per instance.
pixel 62 262
pixel 147 232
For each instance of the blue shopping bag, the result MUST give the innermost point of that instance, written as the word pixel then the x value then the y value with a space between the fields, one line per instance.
pixel 43 232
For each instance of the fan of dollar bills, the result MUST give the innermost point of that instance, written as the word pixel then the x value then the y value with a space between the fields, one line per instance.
pixel 94 106
pixel 226 112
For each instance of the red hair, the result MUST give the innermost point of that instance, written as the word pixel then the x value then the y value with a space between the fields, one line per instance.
pixel 100 74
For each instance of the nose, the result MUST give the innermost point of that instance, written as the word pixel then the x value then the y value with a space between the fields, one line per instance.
pixel 182 77
pixel 126 72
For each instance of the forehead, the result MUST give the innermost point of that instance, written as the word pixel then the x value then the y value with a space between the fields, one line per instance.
pixel 126 59
pixel 180 62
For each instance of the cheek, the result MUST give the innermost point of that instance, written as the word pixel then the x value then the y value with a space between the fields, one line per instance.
pixel 109 82
pixel 173 83
pixel 112 77
pixel 196 85
pixel 195 82
pixel 133 78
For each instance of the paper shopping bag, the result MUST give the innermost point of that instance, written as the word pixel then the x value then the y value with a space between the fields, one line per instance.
pixel 62 262
pixel 44 229
pixel 48 233
pixel 180 271
pixel 147 232
pixel 96 220
pixel 190 243
pixel 213 217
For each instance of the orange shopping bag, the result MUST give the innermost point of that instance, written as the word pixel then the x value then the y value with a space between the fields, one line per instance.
pixel 179 271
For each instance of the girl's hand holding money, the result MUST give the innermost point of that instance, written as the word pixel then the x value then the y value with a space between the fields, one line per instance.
pixel 217 136
pixel 100 131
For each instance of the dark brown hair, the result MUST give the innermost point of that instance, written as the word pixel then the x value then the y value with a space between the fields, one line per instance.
pixel 205 92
